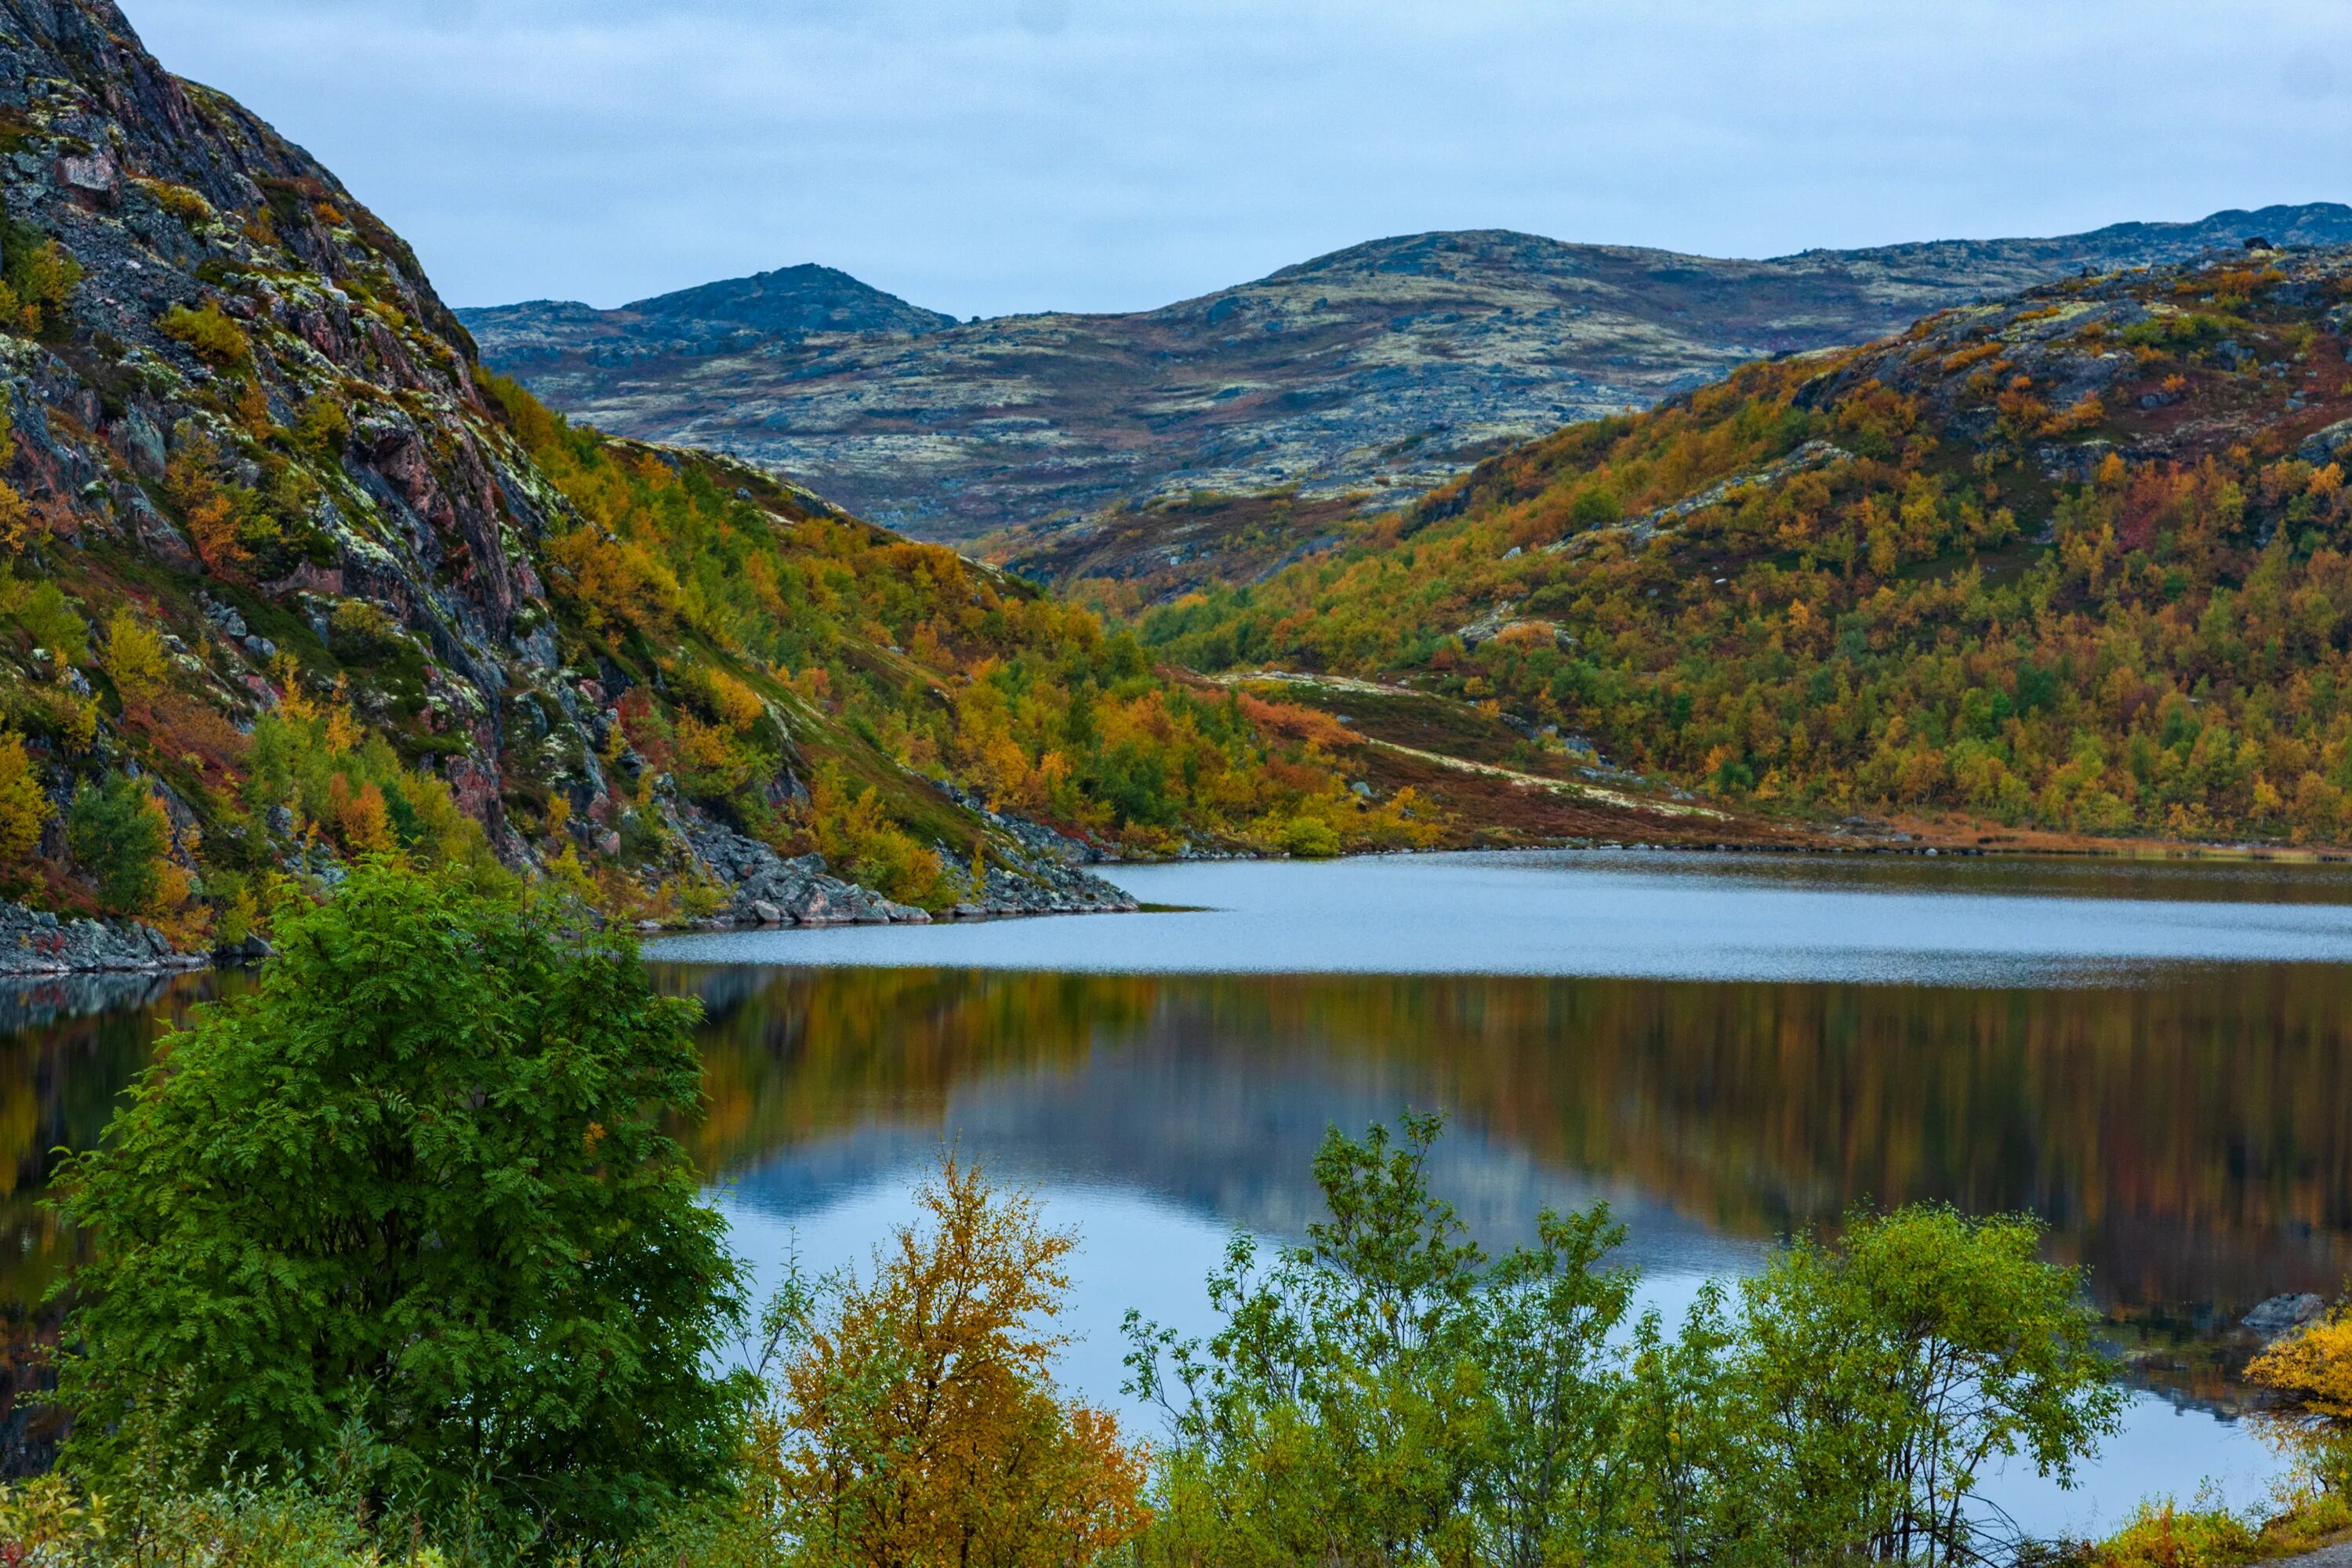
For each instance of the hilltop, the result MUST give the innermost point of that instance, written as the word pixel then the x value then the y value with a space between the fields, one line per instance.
pixel 1211 439
pixel 540 337
pixel 2079 560
pixel 288 579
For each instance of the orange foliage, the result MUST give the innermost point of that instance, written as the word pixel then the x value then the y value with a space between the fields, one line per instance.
pixel 919 1423
pixel 1288 720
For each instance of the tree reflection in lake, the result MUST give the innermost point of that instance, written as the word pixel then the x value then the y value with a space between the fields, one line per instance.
pixel 2189 1137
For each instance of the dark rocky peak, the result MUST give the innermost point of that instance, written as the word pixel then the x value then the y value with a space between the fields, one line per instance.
pixel 733 316
pixel 793 300
pixel 97 135
pixel 2311 223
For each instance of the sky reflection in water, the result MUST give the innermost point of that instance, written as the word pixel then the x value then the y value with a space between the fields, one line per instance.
pixel 1695 917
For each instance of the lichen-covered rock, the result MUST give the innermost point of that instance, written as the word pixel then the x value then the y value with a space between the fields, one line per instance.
pixel 765 888
pixel 2281 1315
pixel 1038 869
pixel 34 942
pixel 243 397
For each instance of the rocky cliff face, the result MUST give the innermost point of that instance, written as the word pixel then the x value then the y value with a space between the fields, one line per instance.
pixel 253 472
pixel 1373 375
pixel 170 197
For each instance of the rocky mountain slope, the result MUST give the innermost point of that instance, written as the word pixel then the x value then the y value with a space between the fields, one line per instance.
pixel 1368 377
pixel 2076 560
pixel 286 578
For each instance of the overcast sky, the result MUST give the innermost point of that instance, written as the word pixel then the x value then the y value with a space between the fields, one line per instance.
pixel 986 156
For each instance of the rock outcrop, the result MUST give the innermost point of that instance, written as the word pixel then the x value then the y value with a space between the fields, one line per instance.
pixel 765 888
pixel 2280 1316
pixel 35 943
pixel 1036 870
pixel 1033 870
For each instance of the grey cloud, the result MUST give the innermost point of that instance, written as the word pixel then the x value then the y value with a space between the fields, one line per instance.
pixel 990 155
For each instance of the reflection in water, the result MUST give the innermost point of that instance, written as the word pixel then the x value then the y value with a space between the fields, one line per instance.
pixel 69 1046
pixel 2188 1137
pixel 1962 922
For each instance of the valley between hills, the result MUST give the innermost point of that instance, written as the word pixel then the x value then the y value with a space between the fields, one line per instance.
pixel 435 1131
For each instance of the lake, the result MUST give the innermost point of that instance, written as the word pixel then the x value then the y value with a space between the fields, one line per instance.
pixel 2155 1057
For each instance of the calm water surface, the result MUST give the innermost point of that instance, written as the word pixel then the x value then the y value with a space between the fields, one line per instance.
pixel 2155 1058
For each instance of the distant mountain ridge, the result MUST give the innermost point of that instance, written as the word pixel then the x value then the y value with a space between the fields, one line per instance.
pixel 1379 371
pixel 710 319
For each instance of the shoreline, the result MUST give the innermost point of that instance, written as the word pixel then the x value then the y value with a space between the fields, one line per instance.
pixel 38 945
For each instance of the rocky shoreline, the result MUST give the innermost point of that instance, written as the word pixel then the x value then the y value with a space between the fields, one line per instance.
pixel 1033 870
pixel 37 945
pixel 1031 873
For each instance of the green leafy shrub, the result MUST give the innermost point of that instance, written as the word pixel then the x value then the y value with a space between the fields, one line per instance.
pixel 188 206
pixel 1388 1394
pixel 322 425
pixel 46 616
pixel 2178 331
pixel 412 1201
pixel 362 628
pixel 24 808
pixel 38 278
pixel 1888 1369
pixel 1310 838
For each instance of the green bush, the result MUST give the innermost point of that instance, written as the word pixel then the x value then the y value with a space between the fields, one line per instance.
pixel 2177 331
pixel 1887 1370
pixel 118 835
pixel 1388 1394
pixel 414 1200
pixel 1310 839
pixel 209 331
pixel 46 616
pixel 38 278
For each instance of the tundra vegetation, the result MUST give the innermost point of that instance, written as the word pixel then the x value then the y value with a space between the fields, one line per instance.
pixel 2078 561
pixel 742 641
pixel 397 1260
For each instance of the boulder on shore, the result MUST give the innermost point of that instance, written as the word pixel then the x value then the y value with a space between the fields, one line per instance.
pixel 765 888
pixel 2281 1315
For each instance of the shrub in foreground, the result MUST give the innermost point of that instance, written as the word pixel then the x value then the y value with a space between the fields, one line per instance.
pixel 912 1416
pixel 413 1202
pixel 1387 1394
